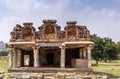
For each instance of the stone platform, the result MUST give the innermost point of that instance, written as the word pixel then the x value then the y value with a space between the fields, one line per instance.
pixel 44 70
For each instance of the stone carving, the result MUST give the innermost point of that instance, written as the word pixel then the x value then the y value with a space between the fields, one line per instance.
pixel 12 35
pixel 40 33
pixel 28 32
pixel 71 30
pixel 62 34
pixel 16 33
pixel 83 32
pixel 50 31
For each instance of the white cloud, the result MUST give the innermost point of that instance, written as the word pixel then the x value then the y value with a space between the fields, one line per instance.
pixel 36 7
pixel 104 22
pixel 7 25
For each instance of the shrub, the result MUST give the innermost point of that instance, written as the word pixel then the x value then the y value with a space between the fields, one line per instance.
pixel 3 53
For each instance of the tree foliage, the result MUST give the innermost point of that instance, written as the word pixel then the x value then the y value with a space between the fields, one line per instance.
pixel 3 53
pixel 105 48
pixel 109 49
pixel 118 49
pixel 98 49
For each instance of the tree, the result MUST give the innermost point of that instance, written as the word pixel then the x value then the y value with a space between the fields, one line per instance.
pixel 3 53
pixel 118 49
pixel 97 51
pixel 105 48
pixel 109 49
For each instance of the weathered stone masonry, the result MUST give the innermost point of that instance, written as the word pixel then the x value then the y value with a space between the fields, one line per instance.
pixel 50 47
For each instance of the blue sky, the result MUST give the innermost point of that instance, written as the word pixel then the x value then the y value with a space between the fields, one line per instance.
pixel 101 17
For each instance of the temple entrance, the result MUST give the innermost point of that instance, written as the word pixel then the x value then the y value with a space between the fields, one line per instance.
pixel 71 53
pixel 27 59
pixel 50 58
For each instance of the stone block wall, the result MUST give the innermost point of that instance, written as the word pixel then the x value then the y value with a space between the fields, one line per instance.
pixel 79 63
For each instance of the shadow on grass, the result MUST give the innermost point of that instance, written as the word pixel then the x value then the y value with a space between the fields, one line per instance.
pixel 103 73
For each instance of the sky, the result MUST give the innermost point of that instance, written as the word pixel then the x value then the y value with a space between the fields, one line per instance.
pixel 102 17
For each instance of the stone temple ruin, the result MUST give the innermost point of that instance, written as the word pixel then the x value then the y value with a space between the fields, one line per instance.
pixel 50 49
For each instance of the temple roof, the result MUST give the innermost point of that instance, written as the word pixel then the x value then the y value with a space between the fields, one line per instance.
pixel 50 31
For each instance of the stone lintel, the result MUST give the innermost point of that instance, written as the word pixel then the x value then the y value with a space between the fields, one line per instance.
pixel 49 44
pixel 15 43
pixel 80 42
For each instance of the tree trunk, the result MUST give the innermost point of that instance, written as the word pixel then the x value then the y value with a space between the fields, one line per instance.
pixel 96 62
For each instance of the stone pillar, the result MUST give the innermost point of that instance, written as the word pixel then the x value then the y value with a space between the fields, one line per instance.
pixel 80 53
pixel 10 58
pixel 36 56
pixel 62 59
pixel 89 56
pixel 84 54
pixel 15 59
pixel 19 58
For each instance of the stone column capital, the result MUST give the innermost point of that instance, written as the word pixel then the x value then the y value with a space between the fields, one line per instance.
pixel 9 48
pixel 35 47
pixel 62 47
pixel 83 48
pixel 90 47
pixel 19 51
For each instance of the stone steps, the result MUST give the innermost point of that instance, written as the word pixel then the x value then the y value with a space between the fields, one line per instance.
pixel 59 75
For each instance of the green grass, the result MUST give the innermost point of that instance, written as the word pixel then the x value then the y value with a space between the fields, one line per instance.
pixel 3 63
pixel 111 69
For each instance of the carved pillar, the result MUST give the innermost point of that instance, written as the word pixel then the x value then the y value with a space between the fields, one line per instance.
pixel 84 53
pixel 10 58
pixel 15 59
pixel 62 59
pixel 89 56
pixel 19 58
pixel 36 57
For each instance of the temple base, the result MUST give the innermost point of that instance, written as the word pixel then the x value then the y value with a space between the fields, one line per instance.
pixel 54 70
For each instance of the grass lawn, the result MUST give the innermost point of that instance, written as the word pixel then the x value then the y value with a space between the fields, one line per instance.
pixel 111 69
pixel 3 63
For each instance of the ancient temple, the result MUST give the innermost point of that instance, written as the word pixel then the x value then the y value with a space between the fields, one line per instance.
pixel 50 48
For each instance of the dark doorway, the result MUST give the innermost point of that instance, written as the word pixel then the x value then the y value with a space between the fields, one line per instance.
pixel 71 53
pixel 50 58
